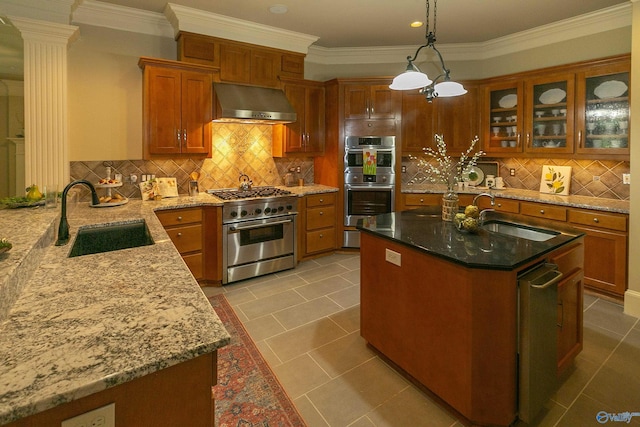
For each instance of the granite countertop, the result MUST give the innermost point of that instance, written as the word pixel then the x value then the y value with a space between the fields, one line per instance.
pixel 71 327
pixel 423 229
pixel 584 202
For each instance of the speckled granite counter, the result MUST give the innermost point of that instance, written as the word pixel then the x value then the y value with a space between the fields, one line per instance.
pixel 608 205
pixel 70 327
pixel 423 229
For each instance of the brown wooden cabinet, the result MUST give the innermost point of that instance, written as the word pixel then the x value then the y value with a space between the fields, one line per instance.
pixel 240 62
pixel 177 104
pixel 503 117
pixel 186 230
pixel 306 135
pixel 318 225
pixel 370 101
pixel 418 122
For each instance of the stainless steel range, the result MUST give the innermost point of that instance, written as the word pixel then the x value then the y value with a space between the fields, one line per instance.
pixel 259 231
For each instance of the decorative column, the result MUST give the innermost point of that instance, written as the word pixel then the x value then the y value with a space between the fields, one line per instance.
pixel 45 100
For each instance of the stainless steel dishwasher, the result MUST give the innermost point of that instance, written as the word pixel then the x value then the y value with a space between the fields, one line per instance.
pixel 537 338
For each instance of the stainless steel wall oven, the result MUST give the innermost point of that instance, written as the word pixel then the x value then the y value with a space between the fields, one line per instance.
pixel 372 193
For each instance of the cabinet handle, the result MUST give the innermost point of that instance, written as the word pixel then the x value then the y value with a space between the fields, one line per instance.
pixel 580 138
pixel 179 218
pixel 184 135
pixel 178 135
pixel 528 140
pixel 596 220
pixel 542 211
pixel 518 139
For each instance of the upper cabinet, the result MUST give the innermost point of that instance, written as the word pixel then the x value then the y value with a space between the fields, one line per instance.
pixel 579 110
pixel 602 109
pixel 369 101
pixel 177 108
pixel 306 135
pixel 240 62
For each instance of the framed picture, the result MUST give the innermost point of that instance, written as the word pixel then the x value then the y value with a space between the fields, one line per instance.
pixel 555 180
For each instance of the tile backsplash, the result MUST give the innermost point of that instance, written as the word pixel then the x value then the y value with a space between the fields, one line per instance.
pixel 236 149
pixel 595 178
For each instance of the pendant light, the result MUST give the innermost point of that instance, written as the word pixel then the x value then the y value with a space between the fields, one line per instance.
pixel 413 78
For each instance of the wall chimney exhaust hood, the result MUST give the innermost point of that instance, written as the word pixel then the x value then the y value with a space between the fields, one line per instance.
pixel 236 103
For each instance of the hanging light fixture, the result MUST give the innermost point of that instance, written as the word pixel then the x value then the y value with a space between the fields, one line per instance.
pixel 413 78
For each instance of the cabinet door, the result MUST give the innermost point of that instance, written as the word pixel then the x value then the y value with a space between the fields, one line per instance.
pixel 602 109
pixel 293 132
pixel 235 63
pixel 356 102
pixel 314 120
pixel 264 68
pixel 549 114
pixel 569 319
pixel 456 121
pixel 418 122
pixel 163 101
pixel 382 102
pixel 196 112
pixel 502 119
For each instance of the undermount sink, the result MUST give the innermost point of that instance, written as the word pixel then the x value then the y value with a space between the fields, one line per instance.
pixel 520 230
pixel 111 237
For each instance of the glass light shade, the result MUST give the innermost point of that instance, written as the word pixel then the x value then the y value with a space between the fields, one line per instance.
pixel 410 80
pixel 449 88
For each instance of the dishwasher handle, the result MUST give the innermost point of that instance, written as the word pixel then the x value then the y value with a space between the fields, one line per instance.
pixel 548 279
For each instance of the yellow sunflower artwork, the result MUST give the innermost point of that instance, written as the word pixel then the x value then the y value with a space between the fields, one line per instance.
pixel 555 180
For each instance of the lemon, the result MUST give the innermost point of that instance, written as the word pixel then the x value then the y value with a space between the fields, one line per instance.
pixel 472 211
pixel 33 193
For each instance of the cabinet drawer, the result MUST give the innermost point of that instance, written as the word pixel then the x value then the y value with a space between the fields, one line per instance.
pixel 194 262
pixel 187 238
pixel 501 205
pixel 422 199
pixel 178 217
pixel 370 127
pixel 568 259
pixel 321 199
pixel 543 211
pixel 599 219
pixel 321 240
pixel 321 217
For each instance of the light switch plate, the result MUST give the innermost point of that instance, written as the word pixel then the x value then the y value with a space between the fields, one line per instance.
pixel 101 417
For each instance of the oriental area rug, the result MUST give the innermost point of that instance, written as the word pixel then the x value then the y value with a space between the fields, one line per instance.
pixel 247 394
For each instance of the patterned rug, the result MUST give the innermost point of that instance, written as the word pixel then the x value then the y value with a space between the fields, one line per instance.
pixel 248 393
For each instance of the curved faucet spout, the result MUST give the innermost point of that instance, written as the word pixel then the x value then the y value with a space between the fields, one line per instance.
pixel 63 228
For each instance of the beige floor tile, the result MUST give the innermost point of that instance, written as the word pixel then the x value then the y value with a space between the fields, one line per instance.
pixel 270 304
pixel 306 312
pixel 310 414
pixel 210 291
pixel 343 354
pixel 295 342
pixel 323 287
pixel 362 422
pixel 584 411
pixel 276 285
pixel 350 396
pixel 410 408
pixel 348 319
pixel 272 360
pixel 351 263
pixel 610 316
pixel 322 272
pixel 263 327
pixel 352 276
pixel 348 297
pixel 301 375
pixel 237 296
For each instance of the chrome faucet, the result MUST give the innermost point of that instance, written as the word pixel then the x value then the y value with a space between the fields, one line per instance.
pixel 483 213
pixel 63 228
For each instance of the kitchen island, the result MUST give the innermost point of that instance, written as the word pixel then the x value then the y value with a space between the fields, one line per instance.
pixel 442 305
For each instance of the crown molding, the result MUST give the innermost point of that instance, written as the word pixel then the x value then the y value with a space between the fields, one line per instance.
pixel 197 21
pixel 583 25
pixel 123 18
pixel 45 31
pixel 50 10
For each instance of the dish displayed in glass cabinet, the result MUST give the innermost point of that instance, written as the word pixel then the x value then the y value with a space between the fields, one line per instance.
pixel 607 112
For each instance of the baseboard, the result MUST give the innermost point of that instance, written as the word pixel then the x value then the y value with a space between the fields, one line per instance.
pixel 632 303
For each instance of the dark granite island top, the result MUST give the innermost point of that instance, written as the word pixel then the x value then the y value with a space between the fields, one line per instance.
pixel 423 229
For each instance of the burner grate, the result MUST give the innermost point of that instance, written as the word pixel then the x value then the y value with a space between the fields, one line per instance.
pixel 232 194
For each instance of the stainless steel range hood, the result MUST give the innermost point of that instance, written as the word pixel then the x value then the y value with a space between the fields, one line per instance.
pixel 251 104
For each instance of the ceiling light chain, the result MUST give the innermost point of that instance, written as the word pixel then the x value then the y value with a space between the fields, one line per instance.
pixel 413 78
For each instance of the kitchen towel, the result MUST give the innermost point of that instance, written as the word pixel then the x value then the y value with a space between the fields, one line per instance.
pixel 370 161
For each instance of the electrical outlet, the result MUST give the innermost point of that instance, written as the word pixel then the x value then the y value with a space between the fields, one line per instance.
pixel 393 257
pixel 404 169
pixel 101 417
pixel 596 178
pixel 298 169
pixel 626 178
pixel 512 172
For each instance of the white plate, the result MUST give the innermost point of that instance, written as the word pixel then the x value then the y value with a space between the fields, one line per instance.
pixel 553 96
pixel 610 89
pixel 468 171
pixel 508 101
pixel 114 185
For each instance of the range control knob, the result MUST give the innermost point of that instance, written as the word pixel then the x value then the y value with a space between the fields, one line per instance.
pixel 267 210
pixel 280 208
pixel 258 211
pixel 289 207
pixel 233 214
pixel 243 213
pixel 274 210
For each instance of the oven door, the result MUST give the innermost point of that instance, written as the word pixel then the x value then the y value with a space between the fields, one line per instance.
pixel 259 242
pixel 361 201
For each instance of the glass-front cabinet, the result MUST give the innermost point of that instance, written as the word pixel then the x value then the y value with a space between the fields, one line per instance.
pixel 602 116
pixel 504 124
pixel 549 114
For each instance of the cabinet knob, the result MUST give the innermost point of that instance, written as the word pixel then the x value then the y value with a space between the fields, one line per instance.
pixel 179 234
pixel 421 200
pixel 321 213
pixel 542 211
pixel 596 220
pixel 499 205
pixel 321 236
pixel 369 124
pixel 179 218
pixel 321 200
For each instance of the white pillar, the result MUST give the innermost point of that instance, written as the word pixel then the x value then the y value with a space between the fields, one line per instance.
pixel 45 100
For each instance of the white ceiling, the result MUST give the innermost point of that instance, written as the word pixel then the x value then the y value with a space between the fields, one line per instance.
pixel 362 23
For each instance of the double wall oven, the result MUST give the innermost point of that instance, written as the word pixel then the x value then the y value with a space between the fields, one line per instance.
pixel 369 181
pixel 259 232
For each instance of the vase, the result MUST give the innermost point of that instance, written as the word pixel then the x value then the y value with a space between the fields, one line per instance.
pixel 449 203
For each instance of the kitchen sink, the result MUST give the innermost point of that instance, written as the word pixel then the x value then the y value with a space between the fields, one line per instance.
pixel 520 230
pixel 111 237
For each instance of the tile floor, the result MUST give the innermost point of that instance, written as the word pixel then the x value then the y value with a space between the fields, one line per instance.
pixel 306 324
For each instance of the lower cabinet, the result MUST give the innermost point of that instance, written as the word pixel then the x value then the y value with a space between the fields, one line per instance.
pixel 317 225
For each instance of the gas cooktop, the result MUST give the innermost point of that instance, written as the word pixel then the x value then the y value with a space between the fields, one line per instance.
pixel 235 194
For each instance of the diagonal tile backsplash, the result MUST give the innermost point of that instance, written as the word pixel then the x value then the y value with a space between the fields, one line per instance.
pixel 236 149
